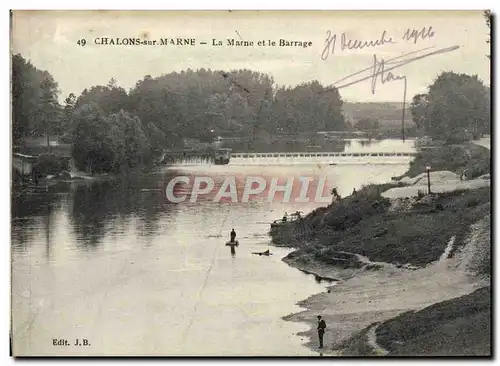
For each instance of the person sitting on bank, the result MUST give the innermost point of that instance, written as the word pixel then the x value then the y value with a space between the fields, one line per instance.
pixel 354 192
pixel 233 235
pixel 285 217
pixel 297 214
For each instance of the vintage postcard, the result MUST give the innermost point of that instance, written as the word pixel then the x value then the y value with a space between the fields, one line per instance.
pixel 250 183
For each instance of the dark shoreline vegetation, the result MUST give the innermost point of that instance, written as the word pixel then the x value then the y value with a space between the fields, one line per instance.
pixel 455 158
pixel 365 224
pixel 456 327
pixel 442 329
pixel 343 233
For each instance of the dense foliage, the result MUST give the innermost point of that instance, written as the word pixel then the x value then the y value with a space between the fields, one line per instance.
pixel 367 123
pixel 115 130
pixel 473 159
pixel 35 110
pixel 454 106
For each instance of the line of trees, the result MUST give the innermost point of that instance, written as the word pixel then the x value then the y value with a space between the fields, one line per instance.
pixel 115 130
pixel 112 130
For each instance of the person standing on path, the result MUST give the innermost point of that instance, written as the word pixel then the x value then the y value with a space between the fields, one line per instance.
pixel 321 330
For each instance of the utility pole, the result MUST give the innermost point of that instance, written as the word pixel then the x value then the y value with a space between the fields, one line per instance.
pixel 404 107
pixel 428 179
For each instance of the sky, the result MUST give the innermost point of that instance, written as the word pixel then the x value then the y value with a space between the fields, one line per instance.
pixel 49 39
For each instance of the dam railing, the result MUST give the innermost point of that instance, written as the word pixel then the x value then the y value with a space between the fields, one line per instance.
pixel 320 154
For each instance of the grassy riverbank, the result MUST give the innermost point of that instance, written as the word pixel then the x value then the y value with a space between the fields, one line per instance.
pixel 461 326
pixel 357 238
pixel 370 226
pixel 455 158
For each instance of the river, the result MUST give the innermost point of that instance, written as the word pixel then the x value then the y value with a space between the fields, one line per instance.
pixel 117 264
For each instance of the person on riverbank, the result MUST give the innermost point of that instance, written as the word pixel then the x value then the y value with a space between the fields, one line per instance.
pixel 335 194
pixel 321 330
pixel 232 235
pixel 463 176
pixel 285 217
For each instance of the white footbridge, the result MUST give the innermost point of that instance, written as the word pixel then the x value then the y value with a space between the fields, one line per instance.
pixel 320 154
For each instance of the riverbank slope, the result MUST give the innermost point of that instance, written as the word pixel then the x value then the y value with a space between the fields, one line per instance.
pixel 392 256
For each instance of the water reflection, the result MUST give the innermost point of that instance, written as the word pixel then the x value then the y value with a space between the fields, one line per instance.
pixel 31 211
pixel 145 261
pixel 102 207
pixel 115 206
pixel 93 208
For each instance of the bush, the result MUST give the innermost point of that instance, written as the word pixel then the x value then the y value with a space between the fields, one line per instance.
pixel 48 164
pixel 476 159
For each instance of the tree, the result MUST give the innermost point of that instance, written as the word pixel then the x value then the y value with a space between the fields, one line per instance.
pixel 93 150
pixel 35 110
pixel 133 144
pixel 110 98
pixel 308 107
pixel 420 108
pixel 67 115
pixel 455 104
pixel 487 15
pixel 23 97
pixel 367 123
pixel 115 143
pixel 48 112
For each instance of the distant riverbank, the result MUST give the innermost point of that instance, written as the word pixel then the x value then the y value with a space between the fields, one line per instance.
pixel 395 255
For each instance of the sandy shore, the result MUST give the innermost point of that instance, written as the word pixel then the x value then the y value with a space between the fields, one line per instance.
pixel 441 181
pixel 362 298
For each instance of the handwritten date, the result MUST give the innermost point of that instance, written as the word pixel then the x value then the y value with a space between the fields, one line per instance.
pixel 347 44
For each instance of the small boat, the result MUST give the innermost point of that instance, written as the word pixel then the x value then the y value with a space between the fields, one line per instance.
pixel 233 243
pixel 266 253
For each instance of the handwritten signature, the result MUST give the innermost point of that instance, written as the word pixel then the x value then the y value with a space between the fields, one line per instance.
pixel 379 69
pixel 382 69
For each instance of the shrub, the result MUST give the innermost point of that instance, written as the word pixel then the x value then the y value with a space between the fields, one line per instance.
pixel 48 164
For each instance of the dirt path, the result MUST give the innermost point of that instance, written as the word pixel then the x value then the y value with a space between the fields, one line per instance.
pixel 484 142
pixel 441 181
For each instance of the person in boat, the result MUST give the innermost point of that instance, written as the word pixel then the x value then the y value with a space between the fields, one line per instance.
pixel 285 217
pixel 232 235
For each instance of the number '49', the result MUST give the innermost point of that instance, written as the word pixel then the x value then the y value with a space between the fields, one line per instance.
pixel 81 42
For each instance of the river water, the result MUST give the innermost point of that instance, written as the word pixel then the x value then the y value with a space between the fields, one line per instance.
pixel 117 264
